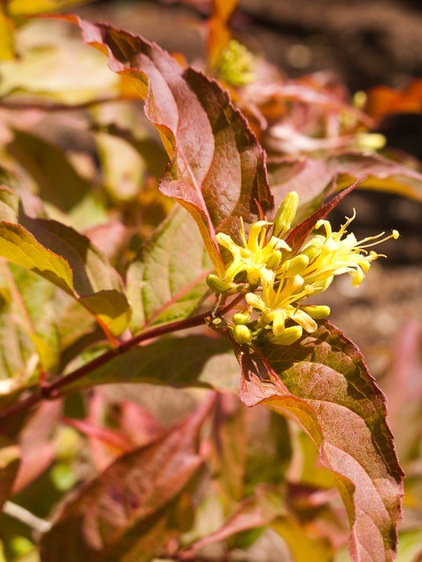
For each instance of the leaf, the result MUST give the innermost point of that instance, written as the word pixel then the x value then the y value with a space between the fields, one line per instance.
pixel 57 180
pixel 7 43
pixel 46 73
pixel 22 7
pixel 256 511
pixel 18 358
pixel 218 29
pixel 37 445
pixel 218 168
pixel 383 101
pixel 298 235
pixel 31 306
pixel 212 365
pixel 310 177
pixel 9 204
pixel 9 465
pixel 230 450
pixel 303 545
pixel 166 281
pixel 124 513
pixel 68 260
pixel 266 508
pixel 381 173
pixel 322 382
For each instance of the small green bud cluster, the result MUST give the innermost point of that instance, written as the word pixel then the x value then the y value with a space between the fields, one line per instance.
pixel 236 65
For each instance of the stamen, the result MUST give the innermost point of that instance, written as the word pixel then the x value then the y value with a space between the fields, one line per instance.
pixel 394 234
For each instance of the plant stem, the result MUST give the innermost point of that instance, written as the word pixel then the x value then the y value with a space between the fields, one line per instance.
pixel 57 388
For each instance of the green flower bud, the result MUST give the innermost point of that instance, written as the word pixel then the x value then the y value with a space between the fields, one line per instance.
pixel 241 317
pixel 219 285
pixel 241 334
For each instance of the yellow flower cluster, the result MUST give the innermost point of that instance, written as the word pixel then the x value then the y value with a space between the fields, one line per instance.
pixel 276 280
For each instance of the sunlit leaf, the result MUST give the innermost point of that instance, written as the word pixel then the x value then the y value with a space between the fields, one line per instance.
pixel 9 204
pixel 322 382
pixel 212 365
pixel 308 177
pixel 166 281
pixel 7 43
pixel 125 513
pixel 311 177
pixel 217 170
pixel 32 308
pixel 383 174
pixel 67 259
pixel 57 180
pixel 19 359
pixel 46 69
pixel 23 7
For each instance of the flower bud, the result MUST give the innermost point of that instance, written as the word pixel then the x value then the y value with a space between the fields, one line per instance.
pixel 286 214
pixel 293 267
pixel 241 334
pixel 317 311
pixel 241 317
pixel 274 259
pixel 288 336
pixel 219 285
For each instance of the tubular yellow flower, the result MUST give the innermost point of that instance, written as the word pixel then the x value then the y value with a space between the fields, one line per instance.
pixel 260 252
pixel 276 304
pixel 276 281
pixel 331 255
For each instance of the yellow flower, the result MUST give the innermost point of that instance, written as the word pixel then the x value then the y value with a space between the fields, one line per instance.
pixel 276 282
pixel 259 254
pixel 331 254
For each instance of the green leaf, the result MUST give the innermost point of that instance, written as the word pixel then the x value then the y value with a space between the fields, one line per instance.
pixel 170 361
pixel 166 281
pixel 57 180
pixel 32 308
pixel 218 168
pixel 19 359
pixel 68 260
pixel 9 204
pixel 20 247
pixel 125 513
pixel 322 382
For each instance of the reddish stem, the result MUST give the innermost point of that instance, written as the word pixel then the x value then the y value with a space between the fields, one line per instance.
pixel 57 388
